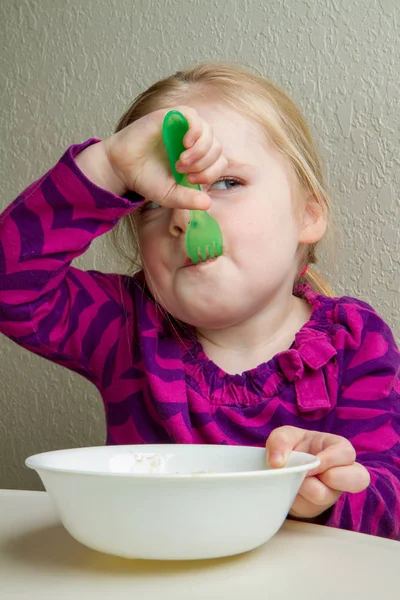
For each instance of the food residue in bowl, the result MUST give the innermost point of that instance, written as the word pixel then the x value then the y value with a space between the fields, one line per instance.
pixel 139 462
pixel 146 463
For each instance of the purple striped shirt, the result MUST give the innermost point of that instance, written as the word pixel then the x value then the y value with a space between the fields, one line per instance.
pixel 341 374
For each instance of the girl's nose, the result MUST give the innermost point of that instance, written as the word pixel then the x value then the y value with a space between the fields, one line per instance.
pixel 179 221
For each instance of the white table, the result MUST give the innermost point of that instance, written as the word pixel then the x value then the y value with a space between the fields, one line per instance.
pixel 39 559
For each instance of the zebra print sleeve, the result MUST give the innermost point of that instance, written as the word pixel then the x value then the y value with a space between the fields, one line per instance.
pixel 69 316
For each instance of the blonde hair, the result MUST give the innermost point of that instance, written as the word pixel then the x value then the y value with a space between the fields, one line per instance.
pixel 258 99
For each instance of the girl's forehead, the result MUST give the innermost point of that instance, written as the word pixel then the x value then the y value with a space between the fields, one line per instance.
pixel 221 114
pixel 235 131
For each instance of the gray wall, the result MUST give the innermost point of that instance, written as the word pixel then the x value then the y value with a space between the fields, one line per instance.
pixel 69 68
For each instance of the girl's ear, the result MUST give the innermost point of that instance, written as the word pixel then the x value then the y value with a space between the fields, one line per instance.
pixel 313 221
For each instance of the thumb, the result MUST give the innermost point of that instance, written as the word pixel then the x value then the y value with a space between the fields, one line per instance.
pixel 186 198
pixel 281 443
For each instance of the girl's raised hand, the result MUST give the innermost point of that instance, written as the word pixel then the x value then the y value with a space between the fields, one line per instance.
pixel 337 473
pixel 135 159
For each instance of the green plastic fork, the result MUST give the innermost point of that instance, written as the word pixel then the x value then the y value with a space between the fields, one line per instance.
pixel 203 235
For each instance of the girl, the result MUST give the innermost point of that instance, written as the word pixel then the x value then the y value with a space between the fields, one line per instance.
pixel 249 348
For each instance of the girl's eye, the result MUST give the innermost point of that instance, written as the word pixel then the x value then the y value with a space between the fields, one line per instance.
pixel 148 206
pixel 226 183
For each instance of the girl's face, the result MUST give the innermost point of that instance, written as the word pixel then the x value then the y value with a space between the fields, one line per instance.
pixel 261 226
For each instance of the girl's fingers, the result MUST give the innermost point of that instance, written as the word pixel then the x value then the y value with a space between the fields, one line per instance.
pixel 339 453
pixel 354 478
pixel 303 509
pixel 337 473
pixel 281 442
pixel 313 499
pixel 199 135
pixel 202 150
pixel 196 126
pixel 316 492
pixel 211 174
pixel 205 161
pixel 332 450
pixel 199 150
pixel 184 198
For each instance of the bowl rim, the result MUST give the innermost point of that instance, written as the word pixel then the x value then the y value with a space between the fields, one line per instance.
pixel 32 463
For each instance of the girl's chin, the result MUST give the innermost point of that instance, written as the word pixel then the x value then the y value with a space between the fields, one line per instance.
pixel 210 321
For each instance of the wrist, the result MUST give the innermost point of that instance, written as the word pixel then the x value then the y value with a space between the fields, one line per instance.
pixel 94 164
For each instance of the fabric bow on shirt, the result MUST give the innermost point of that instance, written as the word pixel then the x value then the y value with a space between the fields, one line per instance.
pixel 312 352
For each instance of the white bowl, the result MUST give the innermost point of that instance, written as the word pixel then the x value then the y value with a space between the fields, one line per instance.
pixel 171 501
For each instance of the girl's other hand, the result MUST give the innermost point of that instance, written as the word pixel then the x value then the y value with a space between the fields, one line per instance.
pixel 337 473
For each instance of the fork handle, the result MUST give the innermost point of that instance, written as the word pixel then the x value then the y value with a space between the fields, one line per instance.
pixel 174 129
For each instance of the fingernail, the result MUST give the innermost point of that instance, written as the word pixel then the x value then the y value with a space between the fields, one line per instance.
pixel 185 159
pixel 276 458
pixel 179 166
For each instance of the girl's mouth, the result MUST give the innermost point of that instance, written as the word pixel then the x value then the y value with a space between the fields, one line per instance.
pixel 190 263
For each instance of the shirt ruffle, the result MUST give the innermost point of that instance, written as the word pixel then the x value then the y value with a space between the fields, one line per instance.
pixel 310 365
